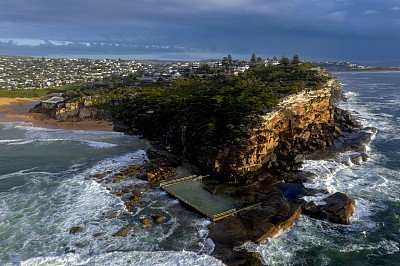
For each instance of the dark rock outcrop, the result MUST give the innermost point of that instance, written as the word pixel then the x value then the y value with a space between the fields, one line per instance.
pixel 75 230
pixel 281 205
pixel 338 208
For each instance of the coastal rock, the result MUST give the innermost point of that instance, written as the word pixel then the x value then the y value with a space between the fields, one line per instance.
pixel 113 215
pixel 98 234
pixel 126 190
pixel 357 159
pixel 135 197
pixel 146 221
pixel 280 207
pixel 256 225
pixel 123 232
pixel 75 230
pixel 157 218
pixel 338 208
pixel 69 250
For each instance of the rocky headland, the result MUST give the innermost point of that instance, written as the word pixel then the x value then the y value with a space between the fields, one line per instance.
pixel 259 165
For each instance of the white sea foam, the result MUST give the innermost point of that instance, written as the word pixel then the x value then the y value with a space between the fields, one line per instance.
pixel 155 258
pixel 95 139
pixel 385 247
pixel 98 144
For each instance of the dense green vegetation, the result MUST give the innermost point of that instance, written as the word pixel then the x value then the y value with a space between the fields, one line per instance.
pixel 37 92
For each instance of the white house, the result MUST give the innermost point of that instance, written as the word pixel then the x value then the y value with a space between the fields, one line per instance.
pixel 49 103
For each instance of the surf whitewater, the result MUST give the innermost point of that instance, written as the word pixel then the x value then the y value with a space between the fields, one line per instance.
pixel 44 194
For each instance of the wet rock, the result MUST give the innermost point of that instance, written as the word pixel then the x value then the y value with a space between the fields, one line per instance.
pixel 98 234
pixel 80 245
pixel 75 230
pixel 146 221
pixel 113 215
pixel 364 157
pixel 69 250
pixel 135 197
pixel 157 218
pixel 123 232
pixel 357 159
pixel 126 190
pixel 298 158
pixel 150 177
pixel 255 225
pixel 338 208
pixel 338 131
pixel 298 176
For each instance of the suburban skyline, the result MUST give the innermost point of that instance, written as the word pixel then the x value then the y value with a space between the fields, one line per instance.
pixel 350 30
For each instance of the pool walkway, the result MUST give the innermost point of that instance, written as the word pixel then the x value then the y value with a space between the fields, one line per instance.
pixel 190 191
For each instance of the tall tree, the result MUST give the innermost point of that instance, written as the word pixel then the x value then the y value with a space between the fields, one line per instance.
pixel 296 60
pixel 285 61
pixel 230 60
pixel 253 59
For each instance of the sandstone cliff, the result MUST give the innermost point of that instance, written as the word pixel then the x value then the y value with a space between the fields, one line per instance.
pixel 301 122
pixel 75 110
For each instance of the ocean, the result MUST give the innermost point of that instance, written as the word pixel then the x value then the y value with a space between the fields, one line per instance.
pixel 43 194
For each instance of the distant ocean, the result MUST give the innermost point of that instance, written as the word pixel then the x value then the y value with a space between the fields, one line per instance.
pixel 43 194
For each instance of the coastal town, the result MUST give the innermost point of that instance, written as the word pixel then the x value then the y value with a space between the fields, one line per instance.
pixel 31 73
pixel 34 73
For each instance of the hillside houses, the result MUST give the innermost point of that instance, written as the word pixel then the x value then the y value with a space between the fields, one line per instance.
pixel 34 73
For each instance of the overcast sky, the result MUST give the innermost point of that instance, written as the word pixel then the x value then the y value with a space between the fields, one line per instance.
pixel 351 30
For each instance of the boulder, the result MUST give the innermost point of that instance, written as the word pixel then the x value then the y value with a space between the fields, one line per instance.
pixel 135 197
pixel 98 234
pixel 357 159
pixel 157 218
pixel 338 208
pixel 113 215
pixel 146 221
pixel 75 230
pixel 123 232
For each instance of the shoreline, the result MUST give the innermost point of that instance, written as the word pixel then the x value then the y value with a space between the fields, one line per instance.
pixel 17 110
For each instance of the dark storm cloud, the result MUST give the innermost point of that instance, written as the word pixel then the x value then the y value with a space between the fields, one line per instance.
pixel 313 28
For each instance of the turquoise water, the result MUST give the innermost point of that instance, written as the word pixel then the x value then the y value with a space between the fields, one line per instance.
pixel 43 194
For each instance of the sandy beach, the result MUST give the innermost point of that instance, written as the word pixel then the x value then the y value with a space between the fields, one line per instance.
pixel 17 110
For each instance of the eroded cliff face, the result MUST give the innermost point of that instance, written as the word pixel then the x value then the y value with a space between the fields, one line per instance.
pixel 79 110
pixel 82 110
pixel 301 122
